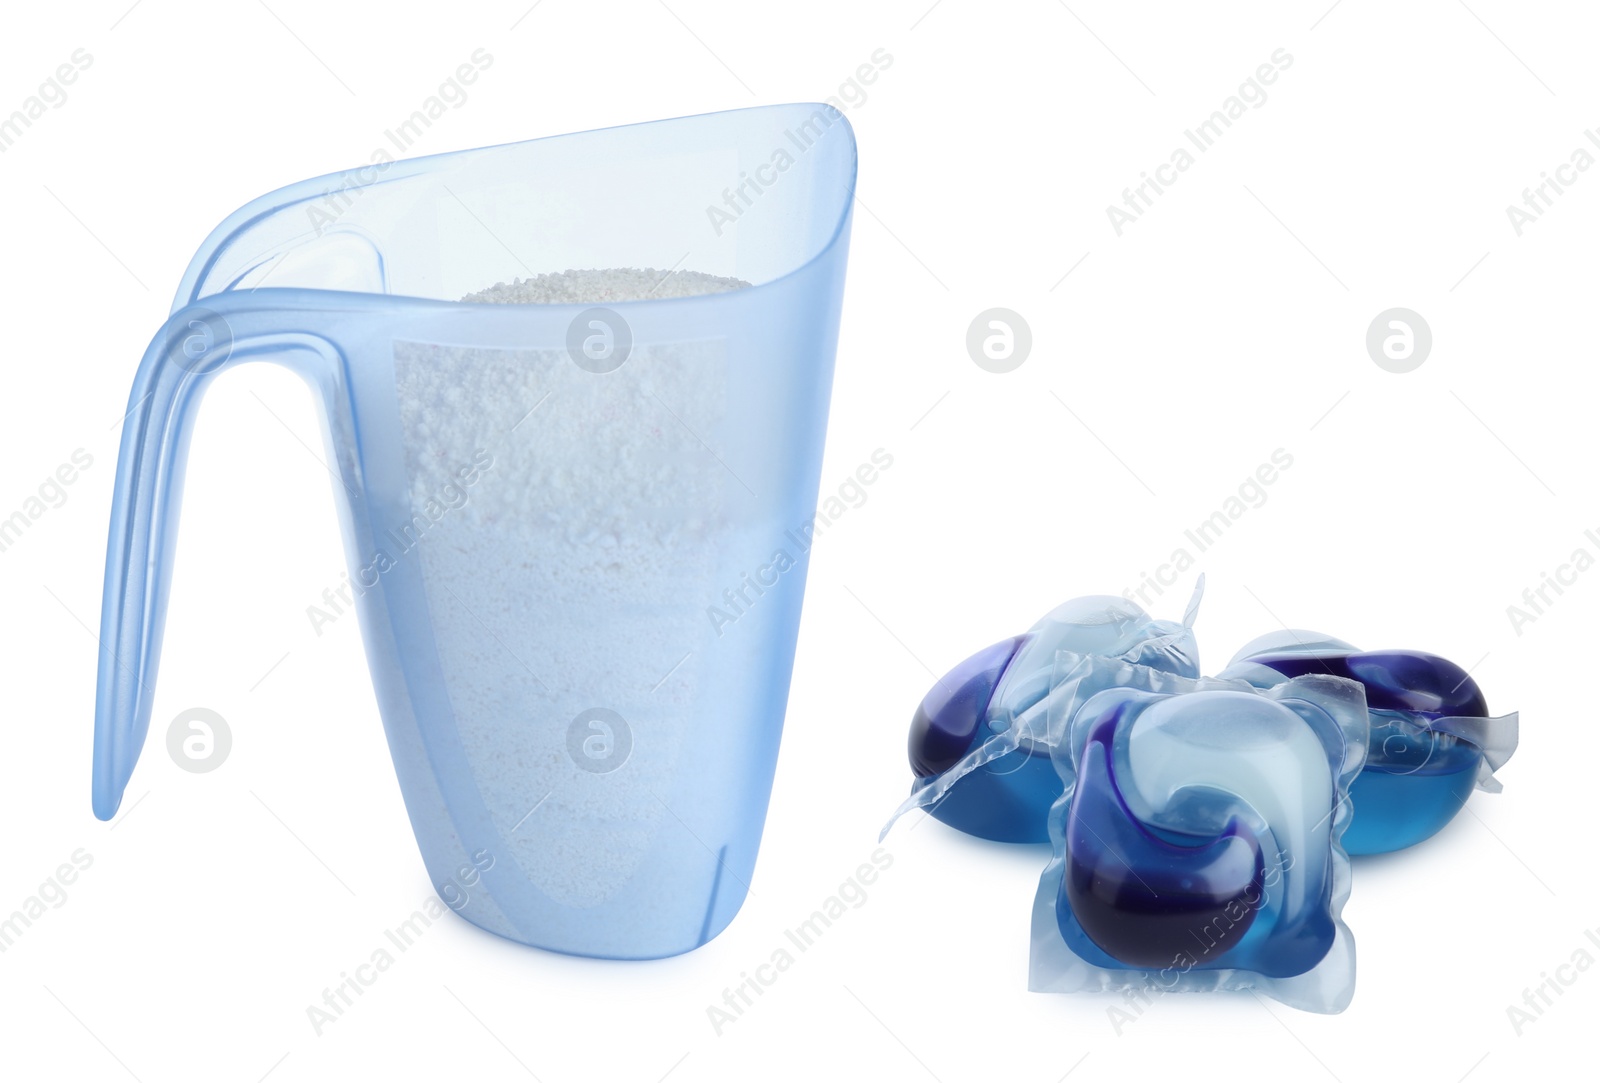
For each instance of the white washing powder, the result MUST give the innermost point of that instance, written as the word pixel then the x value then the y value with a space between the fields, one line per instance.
pixel 577 573
pixel 595 287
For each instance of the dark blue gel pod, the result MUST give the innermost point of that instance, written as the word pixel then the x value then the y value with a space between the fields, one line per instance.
pixel 1429 739
pixel 1005 800
pixel 1145 901
pixel 951 714
pixel 1200 831
pixel 1395 680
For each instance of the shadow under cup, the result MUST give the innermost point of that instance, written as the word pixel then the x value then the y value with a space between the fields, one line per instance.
pixel 577 533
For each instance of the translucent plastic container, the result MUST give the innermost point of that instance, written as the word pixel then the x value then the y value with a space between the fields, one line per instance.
pixel 577 534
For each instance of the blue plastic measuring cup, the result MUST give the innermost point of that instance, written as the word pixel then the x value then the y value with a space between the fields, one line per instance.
pixel 577 533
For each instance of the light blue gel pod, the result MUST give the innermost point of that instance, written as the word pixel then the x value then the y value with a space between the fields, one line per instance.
pixel 979 743
pixel 577 533
pixel 1197 841
pixel 1431 740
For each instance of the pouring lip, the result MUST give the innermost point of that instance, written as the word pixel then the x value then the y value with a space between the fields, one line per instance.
pixel 271 202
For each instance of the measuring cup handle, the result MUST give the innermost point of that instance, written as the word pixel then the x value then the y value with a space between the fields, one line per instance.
pixel 194 345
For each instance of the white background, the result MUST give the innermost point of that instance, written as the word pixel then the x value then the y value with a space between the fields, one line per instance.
pixel 1166 367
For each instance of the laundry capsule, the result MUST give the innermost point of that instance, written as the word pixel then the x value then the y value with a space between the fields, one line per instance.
pixel 1197 841
pixel 995 706
pixel 1431 739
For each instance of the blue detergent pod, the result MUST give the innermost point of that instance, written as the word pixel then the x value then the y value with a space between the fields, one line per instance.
pixel 554 513
pixel 985 723
pixel 1197 839
pixel 1431 739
